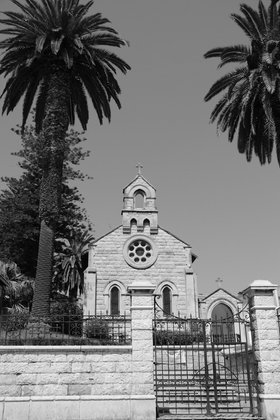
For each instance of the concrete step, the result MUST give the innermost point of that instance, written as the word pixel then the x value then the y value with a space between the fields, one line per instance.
pixel 205 417
pixel 199 401
pixel 200 407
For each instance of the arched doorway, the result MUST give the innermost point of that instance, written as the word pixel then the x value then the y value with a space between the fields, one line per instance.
pixel 222 323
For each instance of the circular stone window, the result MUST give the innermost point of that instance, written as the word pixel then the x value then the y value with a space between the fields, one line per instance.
pixel 140 251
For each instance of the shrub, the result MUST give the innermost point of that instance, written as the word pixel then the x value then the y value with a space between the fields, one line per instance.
pixel 15 319
pixel 165 337
pixel 97 328
pixel 67 317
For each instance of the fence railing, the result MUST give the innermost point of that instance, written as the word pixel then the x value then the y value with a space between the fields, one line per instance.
pixel 66 329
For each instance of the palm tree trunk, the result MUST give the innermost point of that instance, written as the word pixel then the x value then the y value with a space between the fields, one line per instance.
pixel 55 125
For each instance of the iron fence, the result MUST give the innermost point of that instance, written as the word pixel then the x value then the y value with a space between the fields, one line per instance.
pixel 65 329
pixel 204 367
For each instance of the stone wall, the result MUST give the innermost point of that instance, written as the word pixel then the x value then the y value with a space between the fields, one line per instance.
pixel 263 302
pixel 83 382
pixel 108 265
pixel 65 370
pixel 207 304
pixel 74 383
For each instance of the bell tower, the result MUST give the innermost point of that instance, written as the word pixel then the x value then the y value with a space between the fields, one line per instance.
pixel 139 211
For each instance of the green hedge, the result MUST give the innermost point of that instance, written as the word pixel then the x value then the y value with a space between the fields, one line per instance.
pixel 165 337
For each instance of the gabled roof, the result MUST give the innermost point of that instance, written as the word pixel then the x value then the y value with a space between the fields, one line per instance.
pixel 180 240
pixel 106 234
pixel 223 290
pixel 141 177
pixel 194 256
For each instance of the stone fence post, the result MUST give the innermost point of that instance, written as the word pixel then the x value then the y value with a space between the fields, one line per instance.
pixel 263 303
pixel 142 350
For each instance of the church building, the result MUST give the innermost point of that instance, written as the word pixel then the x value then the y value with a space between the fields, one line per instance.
pixel 140 250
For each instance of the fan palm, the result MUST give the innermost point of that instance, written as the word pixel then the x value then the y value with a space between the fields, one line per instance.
pixel 69 269
pixel 18 290
pixel 56 54
pixel 250 103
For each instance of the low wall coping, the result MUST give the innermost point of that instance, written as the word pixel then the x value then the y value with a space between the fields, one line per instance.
pixel 77 398
pixel 66 349
pixel 270 396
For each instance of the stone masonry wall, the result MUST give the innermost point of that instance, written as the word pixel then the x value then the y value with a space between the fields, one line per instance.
pixel 65 371
pixel 83 382
pixel 220 296
pixel 110 265
pixel 264 304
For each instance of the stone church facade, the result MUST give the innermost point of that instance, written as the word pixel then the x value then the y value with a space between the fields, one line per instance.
pixel 138 251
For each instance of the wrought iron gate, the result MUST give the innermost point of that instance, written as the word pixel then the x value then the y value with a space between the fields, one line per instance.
pixel 204 366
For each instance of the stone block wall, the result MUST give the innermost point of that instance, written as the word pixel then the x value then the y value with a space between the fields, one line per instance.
pixel 108 265
pixel 83 382
pixel 219 296
pixel 65 371
pixel 263 302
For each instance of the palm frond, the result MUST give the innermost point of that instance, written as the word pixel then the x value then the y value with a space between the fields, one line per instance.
pixel 254 20
pixel 29 97
pixel 80 101
pixel 214 52
pixel 273 18
pixel 60 33
pixel 243 137
pixel 243 24
pixel 15 90
pixel 263 15
pixel 218 108
pixel 235 54
pixel 224 82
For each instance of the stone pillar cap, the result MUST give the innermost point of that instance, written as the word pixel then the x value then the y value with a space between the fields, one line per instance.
pixel 260 285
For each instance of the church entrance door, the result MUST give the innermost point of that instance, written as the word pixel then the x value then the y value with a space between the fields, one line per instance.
pixel 204 367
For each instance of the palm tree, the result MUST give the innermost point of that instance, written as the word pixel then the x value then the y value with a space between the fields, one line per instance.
pixel 69 266
pixel 56 51
pixel 250 104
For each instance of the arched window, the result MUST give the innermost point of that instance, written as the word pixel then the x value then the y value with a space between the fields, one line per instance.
pixel 133 223
pixel 222 323
pixel 115 301
pixel 166 300
pixel 139 199
pixel 146 223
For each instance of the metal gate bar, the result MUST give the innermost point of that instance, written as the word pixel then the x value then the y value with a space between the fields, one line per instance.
pixel 203 366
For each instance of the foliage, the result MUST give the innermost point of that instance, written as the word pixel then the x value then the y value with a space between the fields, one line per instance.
pixel 97 328
pixel 18 290
pixel 59 33
pixel 61 305
pixel 166 337
pixel 66 317
pixel 69 267
pixel 16 319
pixel 56 50
pixel 250 101
pixel 19 219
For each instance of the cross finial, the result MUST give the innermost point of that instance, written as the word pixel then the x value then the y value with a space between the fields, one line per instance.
pixel 219 281
pixel 139 167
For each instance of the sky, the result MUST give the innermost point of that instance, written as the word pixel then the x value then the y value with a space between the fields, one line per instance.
pixel 228 210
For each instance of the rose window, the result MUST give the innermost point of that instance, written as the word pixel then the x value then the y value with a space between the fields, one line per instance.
pixel 140 252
